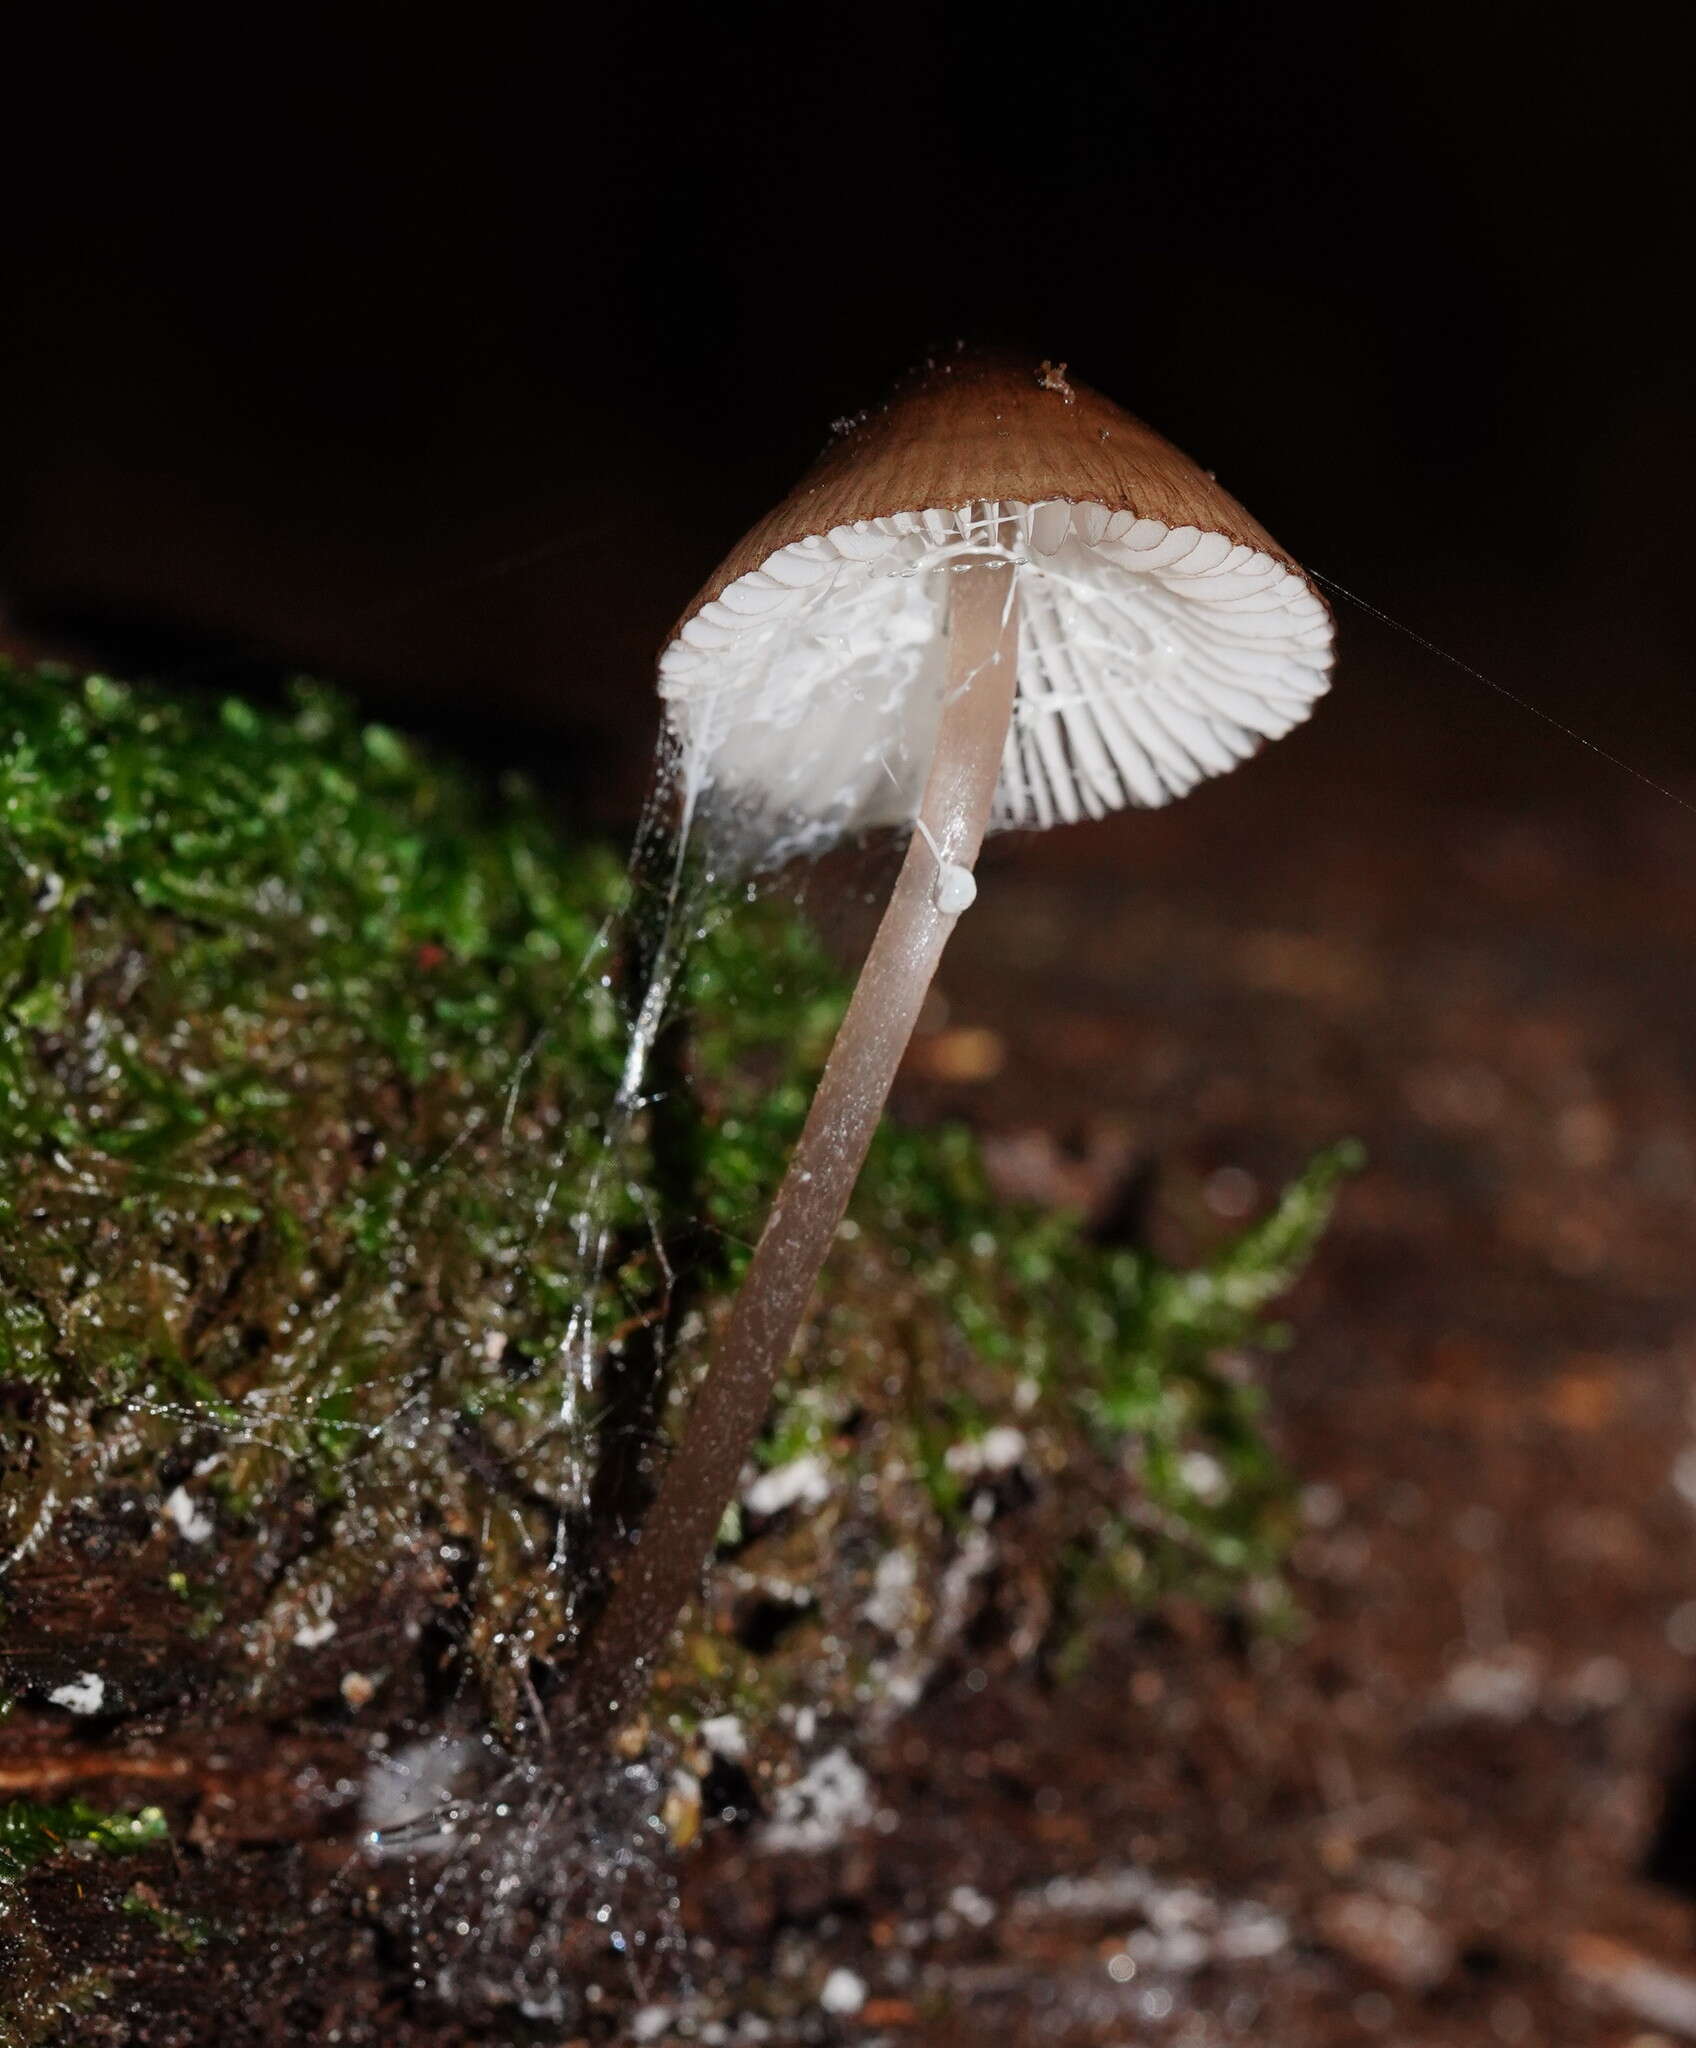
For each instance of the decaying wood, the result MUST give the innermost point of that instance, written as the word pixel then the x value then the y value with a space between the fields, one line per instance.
pixel 241 1782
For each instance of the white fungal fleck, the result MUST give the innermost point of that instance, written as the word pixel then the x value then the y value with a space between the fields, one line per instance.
pixel 842 1992
pixel 1250 1931
pixel 971 1905
pixel 803 1482
pixel 1003 1447
pixel 1205 1477
pixel 193 1523
pixel 84 1694
pixel 1502 1685
pixel 997 1450
pixel 725 1736
pixel 319 1625
pixel 890 1604
pixel 650 2022
pixel 819 1808
pixel 1185 1926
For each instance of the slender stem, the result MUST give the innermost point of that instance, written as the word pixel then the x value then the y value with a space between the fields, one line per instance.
pixel 666 1562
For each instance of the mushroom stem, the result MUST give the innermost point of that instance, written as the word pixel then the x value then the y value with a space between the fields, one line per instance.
pixel 729 1410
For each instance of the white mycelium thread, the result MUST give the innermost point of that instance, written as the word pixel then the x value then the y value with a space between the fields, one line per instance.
pixel 805 698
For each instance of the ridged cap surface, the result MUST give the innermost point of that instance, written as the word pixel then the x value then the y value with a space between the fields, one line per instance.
pixel 1164 633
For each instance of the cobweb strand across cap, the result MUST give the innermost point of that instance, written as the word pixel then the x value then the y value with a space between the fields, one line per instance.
pixel 1163 634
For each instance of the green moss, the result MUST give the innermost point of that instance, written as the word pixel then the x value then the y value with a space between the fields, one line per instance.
pixel 303 1066
pixel 47 1983
pixel 317 1201
pixel 1112 1343
pixel 31 1832
pixel 185 1931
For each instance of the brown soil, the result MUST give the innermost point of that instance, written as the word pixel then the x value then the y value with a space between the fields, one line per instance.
pixel 1465 1787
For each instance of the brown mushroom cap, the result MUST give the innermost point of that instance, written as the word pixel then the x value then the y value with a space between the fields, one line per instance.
pixel 1164 634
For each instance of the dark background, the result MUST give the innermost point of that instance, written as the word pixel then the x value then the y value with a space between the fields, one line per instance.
pixel 449 366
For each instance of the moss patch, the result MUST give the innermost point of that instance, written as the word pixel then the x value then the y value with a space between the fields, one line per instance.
pixel 31 1831
pixel 307 1071
pixel 342 1301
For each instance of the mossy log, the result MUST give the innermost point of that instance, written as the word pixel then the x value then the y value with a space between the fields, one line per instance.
pixel 346 1289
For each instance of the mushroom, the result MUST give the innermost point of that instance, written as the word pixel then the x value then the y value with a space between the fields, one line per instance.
pixel 999 601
